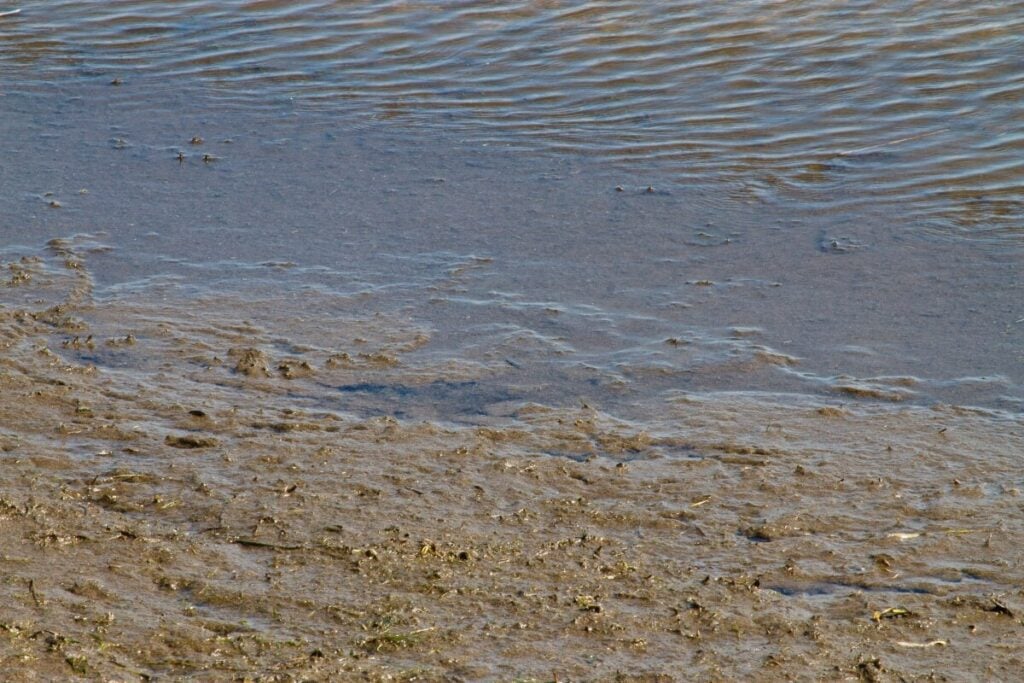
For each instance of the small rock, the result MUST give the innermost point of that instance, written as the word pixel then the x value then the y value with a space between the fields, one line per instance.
pixel 190 441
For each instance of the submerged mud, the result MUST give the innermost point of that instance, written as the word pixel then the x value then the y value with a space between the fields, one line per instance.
pixel 190 491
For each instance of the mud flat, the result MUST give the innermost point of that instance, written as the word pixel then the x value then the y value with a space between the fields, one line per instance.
pixel 180 500
pixel 518 342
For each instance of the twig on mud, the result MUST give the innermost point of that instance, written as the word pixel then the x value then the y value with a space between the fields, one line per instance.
pixel 32 590
pixel 253 543
pixel 891 613
pixel 931 643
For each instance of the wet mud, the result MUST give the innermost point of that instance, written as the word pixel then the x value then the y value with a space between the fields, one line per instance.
pixel 191 492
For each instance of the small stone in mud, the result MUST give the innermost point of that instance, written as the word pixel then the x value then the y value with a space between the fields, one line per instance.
pixel 759 534
pixel 251 362
pixel 837 245
pixel 831 411
pixel 189 441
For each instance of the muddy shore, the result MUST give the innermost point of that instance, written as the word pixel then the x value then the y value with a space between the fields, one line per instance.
pixel 173 506
pixel 534 342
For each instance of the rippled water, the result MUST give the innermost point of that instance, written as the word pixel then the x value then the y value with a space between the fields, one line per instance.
pixel 911 105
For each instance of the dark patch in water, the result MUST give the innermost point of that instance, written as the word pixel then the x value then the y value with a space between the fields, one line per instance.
pixel 370 388
pixel 452 398
pixel 822 588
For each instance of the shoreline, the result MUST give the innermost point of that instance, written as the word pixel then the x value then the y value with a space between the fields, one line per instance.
pixel 192 521
pixel 521 342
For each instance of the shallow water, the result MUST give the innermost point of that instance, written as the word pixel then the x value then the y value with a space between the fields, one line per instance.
pixel 844 181
pixel 345 248
pixel 910 105
pixel 539 269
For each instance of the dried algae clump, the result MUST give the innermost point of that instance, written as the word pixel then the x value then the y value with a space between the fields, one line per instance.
pixel 250 362
pixel 190 441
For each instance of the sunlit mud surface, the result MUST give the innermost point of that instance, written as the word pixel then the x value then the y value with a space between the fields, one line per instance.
pixel 191 491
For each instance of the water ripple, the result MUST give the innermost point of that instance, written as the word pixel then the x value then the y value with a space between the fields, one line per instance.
pixel 912 104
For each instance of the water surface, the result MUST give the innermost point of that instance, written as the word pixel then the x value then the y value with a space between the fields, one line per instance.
pixel 834 104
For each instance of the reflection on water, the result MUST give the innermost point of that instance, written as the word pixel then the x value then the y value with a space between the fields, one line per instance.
pixel 835 104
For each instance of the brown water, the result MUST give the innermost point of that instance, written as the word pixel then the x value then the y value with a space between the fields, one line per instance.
pixel 423 340
pixel 912 104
